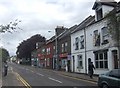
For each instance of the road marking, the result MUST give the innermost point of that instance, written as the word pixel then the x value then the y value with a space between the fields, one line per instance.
pixel 54 79
pixel 78 79
pixel 40 74
pixel 22 80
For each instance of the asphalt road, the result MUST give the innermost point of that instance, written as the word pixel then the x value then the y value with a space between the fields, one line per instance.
pixel 43 77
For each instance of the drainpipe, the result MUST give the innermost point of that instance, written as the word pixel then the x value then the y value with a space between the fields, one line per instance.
pixel 85 52
pixel 56 52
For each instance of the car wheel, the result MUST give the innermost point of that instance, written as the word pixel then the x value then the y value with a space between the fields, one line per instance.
pixel 105 86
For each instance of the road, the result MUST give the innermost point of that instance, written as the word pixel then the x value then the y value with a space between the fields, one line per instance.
pixel 42 77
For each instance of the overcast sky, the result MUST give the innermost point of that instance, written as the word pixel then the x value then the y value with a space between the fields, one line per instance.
pixel 39 17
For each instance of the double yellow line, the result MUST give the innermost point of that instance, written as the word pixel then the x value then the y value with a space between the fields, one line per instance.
pixel 22 80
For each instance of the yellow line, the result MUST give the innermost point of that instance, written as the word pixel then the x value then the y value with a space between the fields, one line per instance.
pixel 78 78
pixel 23 81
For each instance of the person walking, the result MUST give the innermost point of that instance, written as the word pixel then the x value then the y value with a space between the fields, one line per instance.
pixel 90 68
pixel 5 68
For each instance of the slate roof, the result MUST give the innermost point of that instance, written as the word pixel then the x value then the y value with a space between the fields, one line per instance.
pixel 89 20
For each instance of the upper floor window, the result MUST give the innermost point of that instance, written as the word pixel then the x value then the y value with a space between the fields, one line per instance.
pixel 66 46
pixel 54 47
pixel 43 51
pixel 99 14
pixel 96 38
pixel 63 47
pixel 105 35
pixel 82 42
pixel 76 43
pixel 47 51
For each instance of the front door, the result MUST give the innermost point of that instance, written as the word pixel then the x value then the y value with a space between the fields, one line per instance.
pixel 73 63
pixel 115 59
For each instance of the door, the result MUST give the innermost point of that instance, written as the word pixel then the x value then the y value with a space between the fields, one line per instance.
pixel 115 59
pixel 73 67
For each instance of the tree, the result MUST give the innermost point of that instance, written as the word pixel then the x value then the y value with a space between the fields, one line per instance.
pixel 27 46
pixel 113 23
pixel 4 54
pixel 12 26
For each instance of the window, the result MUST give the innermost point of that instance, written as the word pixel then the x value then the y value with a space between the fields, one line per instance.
pixel 99 14
pixel 76 43
pixel 62 48
pixel 54 47
pixel 43 51
pixel 101 59
pixel 96 38
pixel 63 63
pixel 48 61
pixel 80 62
pixel 105 35
pixel 47 51
pixel 82 42
pixel 66 44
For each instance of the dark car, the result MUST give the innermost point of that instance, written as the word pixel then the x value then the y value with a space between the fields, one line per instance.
pixel 110 79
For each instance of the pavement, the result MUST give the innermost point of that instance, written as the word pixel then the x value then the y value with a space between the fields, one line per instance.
pixel 10 80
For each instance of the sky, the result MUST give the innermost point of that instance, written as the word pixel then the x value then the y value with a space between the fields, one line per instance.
pixel 39 17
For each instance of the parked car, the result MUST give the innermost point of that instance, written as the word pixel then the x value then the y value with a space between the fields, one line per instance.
pixel 110 79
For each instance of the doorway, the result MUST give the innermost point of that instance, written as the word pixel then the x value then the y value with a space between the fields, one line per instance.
pixel 115 58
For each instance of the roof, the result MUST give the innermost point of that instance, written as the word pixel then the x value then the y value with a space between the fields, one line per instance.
pixel 68 32
pixel 89 20
pixel 103 2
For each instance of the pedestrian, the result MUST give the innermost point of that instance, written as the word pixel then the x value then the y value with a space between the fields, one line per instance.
pixel 90 68
pixel 5 68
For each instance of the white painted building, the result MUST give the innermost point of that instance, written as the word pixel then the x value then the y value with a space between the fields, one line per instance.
pixel 92 40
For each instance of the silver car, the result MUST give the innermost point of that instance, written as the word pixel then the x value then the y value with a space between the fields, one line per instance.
pixel 110 79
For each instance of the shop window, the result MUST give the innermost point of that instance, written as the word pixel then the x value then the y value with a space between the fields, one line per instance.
pixel 101 59
pixel 80 61
pixel 48 61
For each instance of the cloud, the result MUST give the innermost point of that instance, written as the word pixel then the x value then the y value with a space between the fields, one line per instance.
pixel 39 17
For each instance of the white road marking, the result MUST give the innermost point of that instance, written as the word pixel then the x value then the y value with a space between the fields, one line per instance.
pixel 54 79
pixel 40 74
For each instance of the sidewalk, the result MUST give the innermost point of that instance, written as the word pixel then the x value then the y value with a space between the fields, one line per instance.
pixel 10 80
